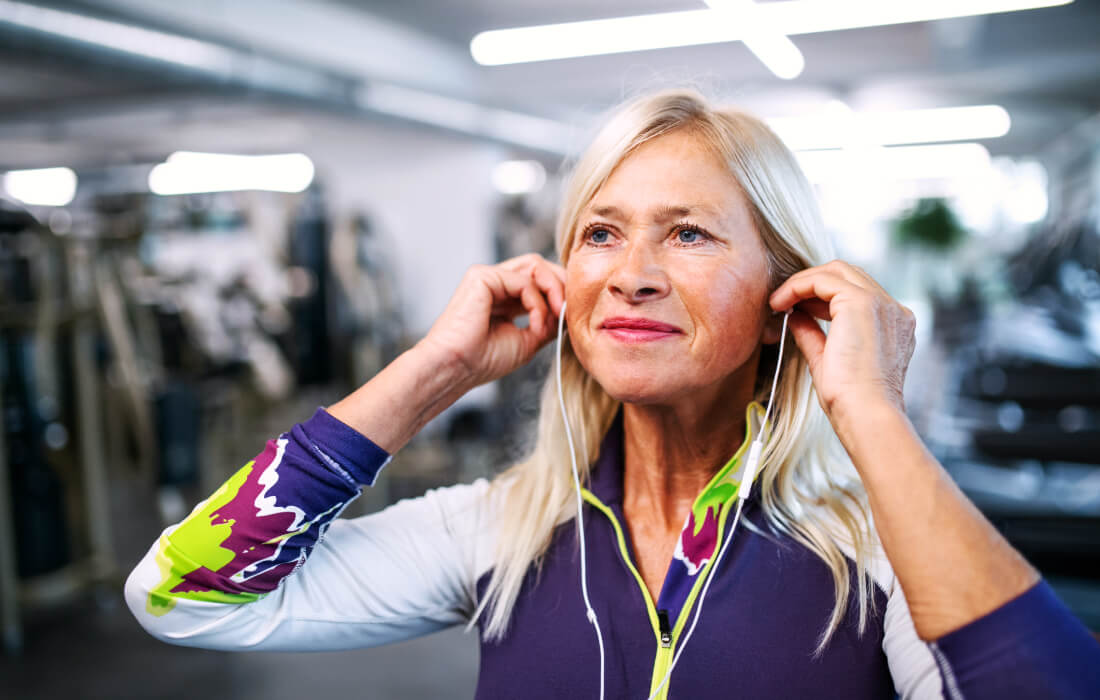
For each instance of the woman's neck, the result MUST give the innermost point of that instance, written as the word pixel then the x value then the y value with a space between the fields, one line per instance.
pixel 670 452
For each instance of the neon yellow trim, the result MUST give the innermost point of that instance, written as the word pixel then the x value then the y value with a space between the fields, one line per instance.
pixel 649 606
pixel 660 668
pixel 720 489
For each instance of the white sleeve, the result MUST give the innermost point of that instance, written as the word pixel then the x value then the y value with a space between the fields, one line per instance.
pixel 912 665
pixel 405 571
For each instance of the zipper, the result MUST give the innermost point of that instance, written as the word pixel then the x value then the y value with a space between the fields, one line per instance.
pixel 663 659
pixel 664 628
pixel 666 638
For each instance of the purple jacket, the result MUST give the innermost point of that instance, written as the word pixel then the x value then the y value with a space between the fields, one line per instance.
pixel 234 575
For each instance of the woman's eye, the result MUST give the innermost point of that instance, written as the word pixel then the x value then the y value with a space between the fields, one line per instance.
pixel 599 235
pixel 689 235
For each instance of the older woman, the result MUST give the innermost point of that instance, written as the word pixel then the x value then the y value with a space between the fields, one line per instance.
pixel 854 572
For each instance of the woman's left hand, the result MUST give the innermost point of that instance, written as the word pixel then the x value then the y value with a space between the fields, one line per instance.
pixel 870 341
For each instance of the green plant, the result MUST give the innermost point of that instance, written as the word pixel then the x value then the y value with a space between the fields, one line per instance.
pixel 929 224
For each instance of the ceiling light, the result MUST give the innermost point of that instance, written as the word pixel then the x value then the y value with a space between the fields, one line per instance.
pixel 939 161
pixel 693 27
pixel 48 187
pixel 519 176
pixel 187 172
pixel 116 35
pixel 774 49
pixel 836 129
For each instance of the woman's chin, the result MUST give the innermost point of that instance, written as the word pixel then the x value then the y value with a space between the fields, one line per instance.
pixel 642 392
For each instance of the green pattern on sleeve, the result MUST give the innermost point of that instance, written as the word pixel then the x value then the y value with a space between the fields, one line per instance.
pixel 197 543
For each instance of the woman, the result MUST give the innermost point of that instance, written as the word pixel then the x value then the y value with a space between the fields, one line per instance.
pixel 683 231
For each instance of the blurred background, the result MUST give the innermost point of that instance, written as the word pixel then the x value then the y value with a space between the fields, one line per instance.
pixel 218 215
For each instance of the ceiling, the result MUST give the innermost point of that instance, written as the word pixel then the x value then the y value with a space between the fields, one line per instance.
pixel 1042 65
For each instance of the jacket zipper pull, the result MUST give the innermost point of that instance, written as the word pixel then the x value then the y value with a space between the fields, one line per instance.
pixel 665 629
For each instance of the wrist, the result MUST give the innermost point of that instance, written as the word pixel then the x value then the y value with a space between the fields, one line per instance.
pixel 450 372
pixel 865 423
pixel 855 410
pixel 398 401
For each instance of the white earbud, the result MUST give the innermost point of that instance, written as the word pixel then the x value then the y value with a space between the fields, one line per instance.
pixel 752 464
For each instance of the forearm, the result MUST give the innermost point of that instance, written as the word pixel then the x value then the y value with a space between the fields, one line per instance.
pixel 394 405
pixel 256 529
pixel 951 562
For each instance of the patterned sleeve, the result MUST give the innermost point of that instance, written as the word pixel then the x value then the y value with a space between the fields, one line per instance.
pixel 263 522
pixel 233 575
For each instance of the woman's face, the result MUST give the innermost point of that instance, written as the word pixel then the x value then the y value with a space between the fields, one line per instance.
pixel 667 281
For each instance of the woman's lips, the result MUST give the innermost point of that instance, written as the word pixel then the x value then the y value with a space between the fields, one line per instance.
pixel 638 330
pixel 637 335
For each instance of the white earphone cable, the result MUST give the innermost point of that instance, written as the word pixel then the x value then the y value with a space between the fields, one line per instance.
pixel 580 512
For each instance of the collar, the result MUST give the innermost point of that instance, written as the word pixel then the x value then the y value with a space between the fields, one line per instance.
pixel 606 480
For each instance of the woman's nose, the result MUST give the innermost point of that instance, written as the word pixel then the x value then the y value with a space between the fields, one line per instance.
pixel 639 274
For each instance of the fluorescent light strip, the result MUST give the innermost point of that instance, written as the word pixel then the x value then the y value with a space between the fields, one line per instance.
pixel 47 187
pixel 116 35
pixel 187 172
pixel 519 176
pixel 836 130
pixel 774 49
pixel 935 162
pixel 657 31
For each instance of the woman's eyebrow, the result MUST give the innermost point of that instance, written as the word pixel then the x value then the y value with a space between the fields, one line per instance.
pixel 670 212
pixel 608 212
pixel 662 214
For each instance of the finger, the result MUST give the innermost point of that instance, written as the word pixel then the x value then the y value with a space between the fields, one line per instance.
pixel 549 277
pixel 530 261
pixel 816 283
pixel 534 303
pixel 840 269
pixel 815 308
pixel 552 286
pixel 865 279
pixel 521 263
pixel 809 337
pixel 850 272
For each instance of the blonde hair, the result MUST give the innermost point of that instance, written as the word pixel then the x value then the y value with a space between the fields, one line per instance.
pixel 809 489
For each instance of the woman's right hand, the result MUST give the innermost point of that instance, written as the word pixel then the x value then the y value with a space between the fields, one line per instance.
pixel 477 330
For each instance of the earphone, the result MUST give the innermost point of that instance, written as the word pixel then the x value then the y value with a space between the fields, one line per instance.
pixel 752 464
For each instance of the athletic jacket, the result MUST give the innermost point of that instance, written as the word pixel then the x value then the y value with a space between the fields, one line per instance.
pixel 234 575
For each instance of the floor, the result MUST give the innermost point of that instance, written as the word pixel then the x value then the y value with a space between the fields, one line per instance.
pixel 96 649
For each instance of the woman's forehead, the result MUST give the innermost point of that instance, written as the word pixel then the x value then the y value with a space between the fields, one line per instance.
pixel 672 176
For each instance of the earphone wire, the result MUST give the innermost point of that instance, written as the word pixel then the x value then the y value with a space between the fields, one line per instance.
pixel 775 377
pixel 741 496
pixel 590 613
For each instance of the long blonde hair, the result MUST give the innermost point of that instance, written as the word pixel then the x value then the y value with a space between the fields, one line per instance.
pixel 809 489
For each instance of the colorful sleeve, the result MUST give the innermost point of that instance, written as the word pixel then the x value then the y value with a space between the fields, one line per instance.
pixel 254 531
pixel 1030 647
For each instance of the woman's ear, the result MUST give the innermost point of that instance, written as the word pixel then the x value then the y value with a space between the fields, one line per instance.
pixel 773 328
